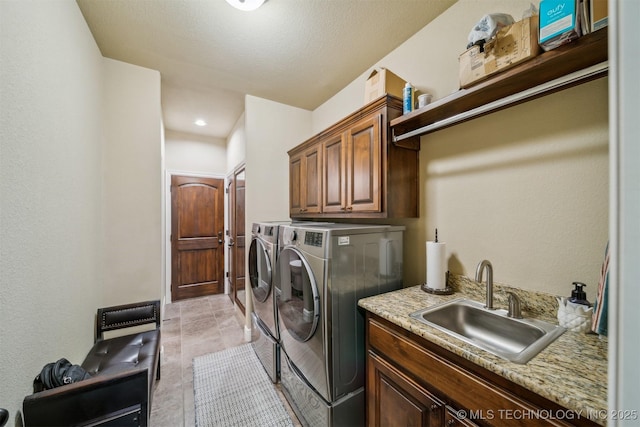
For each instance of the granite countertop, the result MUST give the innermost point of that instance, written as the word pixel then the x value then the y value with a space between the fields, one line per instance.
pixel 571 371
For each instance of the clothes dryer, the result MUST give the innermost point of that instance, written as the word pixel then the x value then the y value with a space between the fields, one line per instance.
pixel 321 273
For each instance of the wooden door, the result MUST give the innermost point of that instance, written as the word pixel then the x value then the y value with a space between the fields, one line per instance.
pixel 197 226
pixel 237 236
pixel 333 175
pixel 364 159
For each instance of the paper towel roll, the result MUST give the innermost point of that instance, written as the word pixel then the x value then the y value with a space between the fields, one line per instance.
pixel 436 265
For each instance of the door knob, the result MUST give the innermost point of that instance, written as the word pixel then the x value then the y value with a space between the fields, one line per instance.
pixel 231 242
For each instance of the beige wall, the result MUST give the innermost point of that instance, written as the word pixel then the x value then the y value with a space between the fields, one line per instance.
pixel 236 143
pixel 51 136
pixel 133 176
pixel 526 188
pixel 81 188
pixel 271 129
pixel 195 153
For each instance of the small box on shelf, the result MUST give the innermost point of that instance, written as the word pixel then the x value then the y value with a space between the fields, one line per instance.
pixel 382 81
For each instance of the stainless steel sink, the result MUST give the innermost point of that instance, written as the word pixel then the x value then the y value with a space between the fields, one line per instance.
pixel 516 340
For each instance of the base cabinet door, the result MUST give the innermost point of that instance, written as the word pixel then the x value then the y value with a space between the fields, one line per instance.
pixel 396 400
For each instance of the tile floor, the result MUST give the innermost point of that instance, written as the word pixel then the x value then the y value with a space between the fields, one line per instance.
pixel 192 328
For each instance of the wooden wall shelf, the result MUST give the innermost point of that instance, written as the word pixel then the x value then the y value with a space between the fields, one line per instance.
pixel 578 62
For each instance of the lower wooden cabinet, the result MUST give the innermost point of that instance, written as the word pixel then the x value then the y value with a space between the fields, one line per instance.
pixel 412 382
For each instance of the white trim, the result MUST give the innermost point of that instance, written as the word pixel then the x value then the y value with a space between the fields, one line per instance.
pixel 624 132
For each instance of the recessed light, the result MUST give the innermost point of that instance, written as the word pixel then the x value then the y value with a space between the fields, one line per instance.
pixel 246 5
pixel 200 122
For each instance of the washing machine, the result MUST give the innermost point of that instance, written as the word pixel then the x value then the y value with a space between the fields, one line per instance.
pixel 263 251
pixel 321 272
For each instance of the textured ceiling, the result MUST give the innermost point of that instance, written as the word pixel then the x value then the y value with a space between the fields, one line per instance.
pixel 297 52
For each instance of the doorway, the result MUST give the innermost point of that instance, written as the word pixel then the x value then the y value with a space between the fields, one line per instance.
pixel 236 232
pixel 197 240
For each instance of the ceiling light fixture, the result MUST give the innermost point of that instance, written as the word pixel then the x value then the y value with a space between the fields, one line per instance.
pixel 246 5
pixel 200 122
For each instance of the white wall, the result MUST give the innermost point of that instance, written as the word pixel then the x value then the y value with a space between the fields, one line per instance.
pixel 526 188
pixel 133 176
pixel 195 153
pixel 51 136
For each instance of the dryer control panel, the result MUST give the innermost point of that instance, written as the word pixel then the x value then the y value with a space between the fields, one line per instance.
pixel 313 238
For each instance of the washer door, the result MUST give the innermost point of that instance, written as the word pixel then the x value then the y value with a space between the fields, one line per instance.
pixel 259 270
pixel 297 295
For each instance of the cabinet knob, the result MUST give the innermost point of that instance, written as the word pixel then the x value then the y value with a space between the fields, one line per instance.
pixel 451 422
pixel 350 208
pixel 434 407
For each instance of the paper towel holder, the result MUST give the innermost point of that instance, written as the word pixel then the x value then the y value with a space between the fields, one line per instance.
pixel 448 290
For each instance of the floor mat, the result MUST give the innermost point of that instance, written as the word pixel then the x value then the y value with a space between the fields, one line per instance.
pixel 231 388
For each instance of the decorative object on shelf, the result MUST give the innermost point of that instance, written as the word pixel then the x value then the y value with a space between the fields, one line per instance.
pixel 424 100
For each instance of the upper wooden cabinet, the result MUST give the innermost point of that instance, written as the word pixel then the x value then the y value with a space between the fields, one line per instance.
pixel 305 169
pixel 361 173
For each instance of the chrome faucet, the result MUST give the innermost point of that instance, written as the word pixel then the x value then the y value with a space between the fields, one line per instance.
pixel 514 306
pixel 486 264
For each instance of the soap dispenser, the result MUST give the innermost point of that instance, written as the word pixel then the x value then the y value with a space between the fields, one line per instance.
pixel 574 313
pixel 578 295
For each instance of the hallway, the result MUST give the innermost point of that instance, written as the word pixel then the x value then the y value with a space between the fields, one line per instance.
pixel 190 328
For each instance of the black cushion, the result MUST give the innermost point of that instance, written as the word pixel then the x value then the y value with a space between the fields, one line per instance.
pixel 137 351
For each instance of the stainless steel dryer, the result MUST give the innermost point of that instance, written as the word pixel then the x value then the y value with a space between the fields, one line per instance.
pixel 321 273
pixel 262 259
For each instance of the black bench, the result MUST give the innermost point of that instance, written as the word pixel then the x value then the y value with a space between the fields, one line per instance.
pixel 124 370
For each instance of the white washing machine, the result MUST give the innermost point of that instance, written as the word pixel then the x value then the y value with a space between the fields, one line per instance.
pixel 321 273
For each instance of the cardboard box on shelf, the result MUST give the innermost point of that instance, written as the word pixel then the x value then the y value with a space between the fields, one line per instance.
pixel 382 81
pixel 511 45
pixel 599 14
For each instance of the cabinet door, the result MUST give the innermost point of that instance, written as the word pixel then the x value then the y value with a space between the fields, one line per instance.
pixel 393 399
pixel 333 175
pixel 312 180
pixel 364 160
pixel 295 184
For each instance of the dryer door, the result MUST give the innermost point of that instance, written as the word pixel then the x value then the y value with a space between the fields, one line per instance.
pixel 259 270
pixel 297 296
